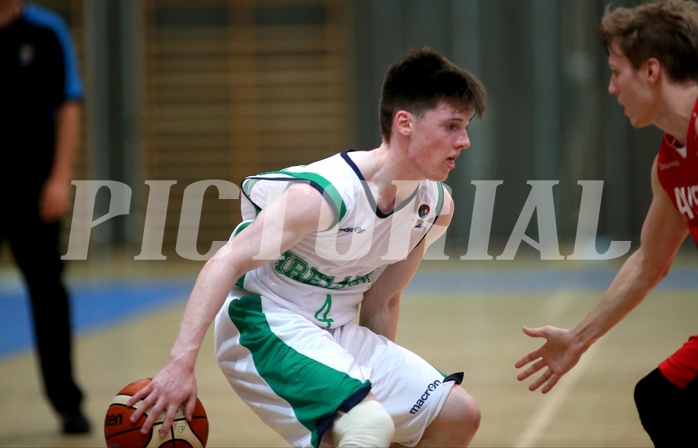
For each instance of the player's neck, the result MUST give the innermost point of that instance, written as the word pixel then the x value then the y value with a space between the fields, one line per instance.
pixel 9 11
pixel 380 168
pixel 680 102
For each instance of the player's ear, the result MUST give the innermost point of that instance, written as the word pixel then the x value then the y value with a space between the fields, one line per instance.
pixel 652 69
pixel 403 122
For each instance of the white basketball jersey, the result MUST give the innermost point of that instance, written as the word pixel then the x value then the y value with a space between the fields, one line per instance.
pixel 325 276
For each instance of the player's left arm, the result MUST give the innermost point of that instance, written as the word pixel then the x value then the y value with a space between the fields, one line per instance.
pixel 380 308
pixel 662 234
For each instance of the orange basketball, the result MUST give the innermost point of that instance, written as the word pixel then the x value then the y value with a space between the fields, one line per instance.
pixel 119 432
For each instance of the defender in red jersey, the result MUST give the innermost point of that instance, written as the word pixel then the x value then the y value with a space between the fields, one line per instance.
pixel 653 56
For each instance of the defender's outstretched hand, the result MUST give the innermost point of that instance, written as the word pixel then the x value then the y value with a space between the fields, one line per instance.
pixel 558 355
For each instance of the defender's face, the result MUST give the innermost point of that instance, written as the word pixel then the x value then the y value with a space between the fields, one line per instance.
pixel 438 138
pixel 630 87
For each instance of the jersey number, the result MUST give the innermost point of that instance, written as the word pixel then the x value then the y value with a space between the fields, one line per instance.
pixel 324 311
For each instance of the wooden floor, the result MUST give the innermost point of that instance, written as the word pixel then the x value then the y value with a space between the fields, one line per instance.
pixel 479 333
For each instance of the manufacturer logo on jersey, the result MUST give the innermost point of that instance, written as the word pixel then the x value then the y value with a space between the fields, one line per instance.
pixel 425 396
pixel 666 166
pixel 353 230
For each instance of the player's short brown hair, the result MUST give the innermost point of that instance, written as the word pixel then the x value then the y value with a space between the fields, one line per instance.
pixel 421 81
pixel 666 30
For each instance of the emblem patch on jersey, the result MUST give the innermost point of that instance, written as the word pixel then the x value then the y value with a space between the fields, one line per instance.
pixel 422 211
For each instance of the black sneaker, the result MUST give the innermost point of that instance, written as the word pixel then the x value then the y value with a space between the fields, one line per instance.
pixel 75 424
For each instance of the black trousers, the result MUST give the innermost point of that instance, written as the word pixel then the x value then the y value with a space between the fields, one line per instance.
pixel 35 247
pixel 668 413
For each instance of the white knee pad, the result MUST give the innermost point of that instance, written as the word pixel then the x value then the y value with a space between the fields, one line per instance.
pixel 367 424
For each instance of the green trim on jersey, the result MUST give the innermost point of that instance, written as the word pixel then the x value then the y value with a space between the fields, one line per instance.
pixel 240 227
pixel 328 190
pixel 314 390
pixel 247 185
pixel 440 201
pixel 438 370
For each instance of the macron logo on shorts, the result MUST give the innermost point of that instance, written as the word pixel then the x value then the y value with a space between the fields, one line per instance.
pixel 425 396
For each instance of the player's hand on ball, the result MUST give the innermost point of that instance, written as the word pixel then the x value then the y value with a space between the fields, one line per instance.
pixel 169 390
pixel 121 432
pixel 557 356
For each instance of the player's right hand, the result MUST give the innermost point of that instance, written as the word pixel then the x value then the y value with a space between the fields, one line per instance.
pixel 557 356
pixel 169 390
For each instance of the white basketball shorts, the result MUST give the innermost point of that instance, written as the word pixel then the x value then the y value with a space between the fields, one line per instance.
pixel 296 376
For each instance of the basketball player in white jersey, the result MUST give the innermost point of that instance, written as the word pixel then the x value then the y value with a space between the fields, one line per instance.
pixel 320 245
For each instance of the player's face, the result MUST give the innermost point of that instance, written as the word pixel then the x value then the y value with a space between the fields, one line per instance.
pixel 630 87
pixel 438 138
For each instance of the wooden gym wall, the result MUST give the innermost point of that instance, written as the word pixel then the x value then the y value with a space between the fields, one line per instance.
pixel 198 90
pixel 236 87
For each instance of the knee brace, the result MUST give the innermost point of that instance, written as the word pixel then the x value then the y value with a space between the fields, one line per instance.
pixel 367 424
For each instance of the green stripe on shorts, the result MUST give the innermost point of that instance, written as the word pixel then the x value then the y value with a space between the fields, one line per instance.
pixel 314 390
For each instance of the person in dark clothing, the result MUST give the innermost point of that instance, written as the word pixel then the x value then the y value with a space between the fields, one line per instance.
pixel 39 124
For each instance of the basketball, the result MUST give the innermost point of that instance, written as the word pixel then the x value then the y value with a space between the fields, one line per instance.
pixel 119 432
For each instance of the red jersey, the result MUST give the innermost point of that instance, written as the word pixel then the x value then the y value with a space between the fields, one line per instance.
pixel 677 169
pixel 681 368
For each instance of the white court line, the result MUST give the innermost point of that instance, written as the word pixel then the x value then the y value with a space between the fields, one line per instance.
pixel 554 308
pixel 553 400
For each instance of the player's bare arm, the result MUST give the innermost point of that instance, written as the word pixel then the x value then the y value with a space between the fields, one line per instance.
pixel 442 222
pixel 380 308
pixel 305 211
pixel 662 233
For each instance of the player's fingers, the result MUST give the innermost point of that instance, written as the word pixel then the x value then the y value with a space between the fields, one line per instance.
pixel 139 411
pixel 139 395
pixel 531 370
pixel 540 380
pixel 152 408
pixel 150 420
pixel 554 378
pixel 142 408
pixel 526 359
pixel 189 408
pixel 534 332
pixel 167 421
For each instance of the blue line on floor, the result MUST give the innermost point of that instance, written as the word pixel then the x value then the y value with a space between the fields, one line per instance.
pixel 93 306
pixel 97 304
